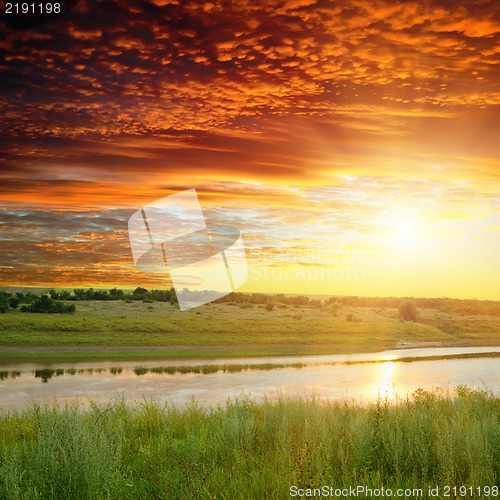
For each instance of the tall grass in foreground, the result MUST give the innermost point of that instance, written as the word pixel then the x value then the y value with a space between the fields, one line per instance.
pixel 247 449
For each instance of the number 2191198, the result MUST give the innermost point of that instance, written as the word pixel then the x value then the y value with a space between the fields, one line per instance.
pixel 33 8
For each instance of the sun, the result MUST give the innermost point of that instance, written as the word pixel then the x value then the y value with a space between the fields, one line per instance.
pixel 405 233
pixel 402 231
pixel 405 229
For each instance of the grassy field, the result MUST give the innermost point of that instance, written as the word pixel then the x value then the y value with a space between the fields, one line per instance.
pixel 250 450
pixel 160 329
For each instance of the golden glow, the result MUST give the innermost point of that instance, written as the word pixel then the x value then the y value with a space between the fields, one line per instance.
pixel 384 386
pixel 386 148
pixel 405 233
pixel 405 229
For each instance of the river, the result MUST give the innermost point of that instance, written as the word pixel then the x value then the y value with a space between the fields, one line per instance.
pixel 362 377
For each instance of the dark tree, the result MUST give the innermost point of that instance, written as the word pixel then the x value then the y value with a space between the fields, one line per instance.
pixel 14 302
pixel 4 303
pixel 408 310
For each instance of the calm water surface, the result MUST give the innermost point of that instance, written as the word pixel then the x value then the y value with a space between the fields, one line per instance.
pixel 23 384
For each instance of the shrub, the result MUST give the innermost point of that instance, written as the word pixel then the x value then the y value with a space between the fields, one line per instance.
pixel 269 306
pixel 44 304
pixel 14 302
pixel 408 310
pixel 139 292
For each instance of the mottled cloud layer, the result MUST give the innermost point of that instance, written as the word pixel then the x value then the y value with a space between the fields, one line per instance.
pixel 311 107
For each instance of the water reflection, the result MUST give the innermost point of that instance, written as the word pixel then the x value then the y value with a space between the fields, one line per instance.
pixel 47 373
pixel 213 382
pixel 11 374
pixel 387 378
pixel 387 365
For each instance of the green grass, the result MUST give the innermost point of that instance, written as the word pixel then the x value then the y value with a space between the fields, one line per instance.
pixel 249 450
pixel 231 329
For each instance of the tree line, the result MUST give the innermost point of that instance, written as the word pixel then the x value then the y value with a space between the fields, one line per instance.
pixel 445 304
pixel 31 302
pixel 56 301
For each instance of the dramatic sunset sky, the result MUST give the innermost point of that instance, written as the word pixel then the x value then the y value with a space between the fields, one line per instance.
pixel 355 144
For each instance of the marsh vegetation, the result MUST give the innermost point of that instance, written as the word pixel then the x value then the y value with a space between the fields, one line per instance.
pixel 246 449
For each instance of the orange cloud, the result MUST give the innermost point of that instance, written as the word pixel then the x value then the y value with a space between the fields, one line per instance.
pixel 317 119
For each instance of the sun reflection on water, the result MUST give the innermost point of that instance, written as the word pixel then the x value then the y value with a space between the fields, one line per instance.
pixel 386 382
